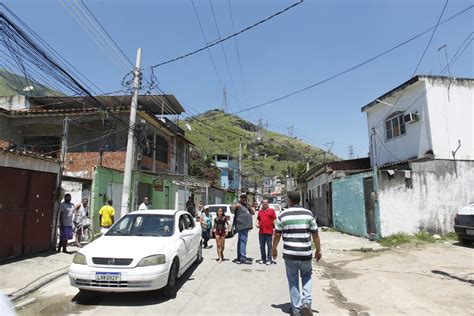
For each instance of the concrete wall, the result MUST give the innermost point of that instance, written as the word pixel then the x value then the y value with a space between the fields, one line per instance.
pixel 417 140
pixel 348 204
pixel 14 102
pixel 451 115
pixel 425 198
pixel 446 115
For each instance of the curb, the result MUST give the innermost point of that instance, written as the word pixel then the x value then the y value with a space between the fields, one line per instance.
pixel 38 283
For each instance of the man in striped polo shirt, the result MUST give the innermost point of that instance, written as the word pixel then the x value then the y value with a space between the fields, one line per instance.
pixel 297 225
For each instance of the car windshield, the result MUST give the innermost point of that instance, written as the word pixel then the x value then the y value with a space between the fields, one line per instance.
pixel 214 208
pixel 143 225
pixel 275 207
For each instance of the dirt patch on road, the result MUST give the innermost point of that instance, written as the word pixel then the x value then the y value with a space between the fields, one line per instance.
pixel 341 301
pixel 54 305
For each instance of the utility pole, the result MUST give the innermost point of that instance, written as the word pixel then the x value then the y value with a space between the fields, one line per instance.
pixel 240 166
pixel 59 180
pixel 127 177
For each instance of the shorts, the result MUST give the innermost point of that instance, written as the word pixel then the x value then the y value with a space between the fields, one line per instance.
pixel 220 232
pixel 65 233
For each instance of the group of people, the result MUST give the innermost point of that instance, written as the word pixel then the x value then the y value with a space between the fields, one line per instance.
pixel 71 216
pixel 297 227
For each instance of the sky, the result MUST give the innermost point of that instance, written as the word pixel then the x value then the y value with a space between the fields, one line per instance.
pixel 306 44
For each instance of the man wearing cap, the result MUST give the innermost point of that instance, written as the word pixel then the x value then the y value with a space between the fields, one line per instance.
pixel 243 223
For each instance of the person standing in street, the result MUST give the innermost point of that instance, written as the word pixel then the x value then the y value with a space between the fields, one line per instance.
pixel 81 213
pixel 145 205
pixel 220 229
pixel 297 225
pixel 190 206
pixel 266 222
pixel 66 214
pixel 206 222
pixel 106 215
pixel 243 223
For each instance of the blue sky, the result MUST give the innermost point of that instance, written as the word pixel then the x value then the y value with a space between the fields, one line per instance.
pixel 308 43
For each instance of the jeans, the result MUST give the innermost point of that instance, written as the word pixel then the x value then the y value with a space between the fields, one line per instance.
pixel 295 268
pixel 265 240
pixel 242 244
pixel 206 235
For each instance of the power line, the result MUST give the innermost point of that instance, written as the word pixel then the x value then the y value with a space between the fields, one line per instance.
pixel 222 46
pixel 227 37
pixel 359 65
pixel 238 53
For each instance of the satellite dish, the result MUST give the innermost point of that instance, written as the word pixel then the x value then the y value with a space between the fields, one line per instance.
pixel 188 127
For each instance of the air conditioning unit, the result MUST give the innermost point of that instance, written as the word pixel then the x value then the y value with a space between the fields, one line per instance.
pixel 411 117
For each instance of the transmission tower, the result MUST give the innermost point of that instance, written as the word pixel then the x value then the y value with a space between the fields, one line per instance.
pixel 224 101
pixel 291 129
pixel 351 152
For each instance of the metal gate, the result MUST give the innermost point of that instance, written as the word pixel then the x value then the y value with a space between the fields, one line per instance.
pixel 26 211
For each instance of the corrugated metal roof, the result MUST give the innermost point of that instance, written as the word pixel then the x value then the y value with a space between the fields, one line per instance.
pixel 360 164
pixel 156 104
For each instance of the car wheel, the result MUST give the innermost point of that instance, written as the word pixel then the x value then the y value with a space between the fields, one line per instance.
pixel 464 241
pixel 171 287
pixel 199 254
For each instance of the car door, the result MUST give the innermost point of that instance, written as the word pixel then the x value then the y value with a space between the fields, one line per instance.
pixel 185 227
pixel 196 236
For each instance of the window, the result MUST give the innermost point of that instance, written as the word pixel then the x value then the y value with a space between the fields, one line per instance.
pixel 161 147
pixel 395 125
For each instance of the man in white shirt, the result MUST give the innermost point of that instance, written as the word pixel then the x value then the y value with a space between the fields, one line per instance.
pixel 145 205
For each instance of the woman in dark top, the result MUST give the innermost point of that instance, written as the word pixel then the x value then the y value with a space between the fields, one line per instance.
pixel 220 229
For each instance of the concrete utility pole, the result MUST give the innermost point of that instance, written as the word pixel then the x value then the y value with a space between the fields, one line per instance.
pixel 59 180
pixel 240 166
pixel 127 177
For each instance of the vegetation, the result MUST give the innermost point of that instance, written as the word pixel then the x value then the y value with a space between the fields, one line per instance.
pixel 264 153
pixel 422 237
pixel 12 84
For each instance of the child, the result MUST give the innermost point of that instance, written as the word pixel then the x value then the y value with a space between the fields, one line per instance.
pixel 220 229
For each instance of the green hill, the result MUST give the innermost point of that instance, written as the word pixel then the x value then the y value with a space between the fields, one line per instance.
pixel 11 84
pixel 264 152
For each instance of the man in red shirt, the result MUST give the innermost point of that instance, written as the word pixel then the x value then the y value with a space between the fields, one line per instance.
pixel 266 222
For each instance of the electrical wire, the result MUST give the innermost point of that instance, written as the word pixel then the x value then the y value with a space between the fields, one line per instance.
pixel 227 37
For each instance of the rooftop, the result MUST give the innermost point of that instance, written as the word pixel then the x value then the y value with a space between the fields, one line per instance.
pixel 409 83
pixel 166 104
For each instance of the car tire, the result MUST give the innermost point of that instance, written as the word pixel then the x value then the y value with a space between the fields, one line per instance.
pixel 199 254
pixel 171 288
pixel 464 241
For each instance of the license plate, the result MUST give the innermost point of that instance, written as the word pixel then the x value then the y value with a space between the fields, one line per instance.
pixel 107 276
pixel 470 231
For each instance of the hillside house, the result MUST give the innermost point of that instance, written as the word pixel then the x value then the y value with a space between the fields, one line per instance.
pixel 97 141
pixel 421 148
pixel 230 171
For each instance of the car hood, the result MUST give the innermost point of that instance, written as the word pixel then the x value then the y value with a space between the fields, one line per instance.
pixel 136 247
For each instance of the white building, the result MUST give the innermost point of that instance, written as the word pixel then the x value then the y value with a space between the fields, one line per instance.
pixel 427 116
pixel 422 143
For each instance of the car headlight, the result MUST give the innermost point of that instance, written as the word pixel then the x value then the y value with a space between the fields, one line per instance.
pixel 152 261
pixel 79 258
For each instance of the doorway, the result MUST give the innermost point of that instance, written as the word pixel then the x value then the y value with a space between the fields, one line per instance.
pixel 369 206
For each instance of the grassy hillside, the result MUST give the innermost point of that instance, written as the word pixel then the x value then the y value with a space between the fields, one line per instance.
pixel 264 153
pixel 11 84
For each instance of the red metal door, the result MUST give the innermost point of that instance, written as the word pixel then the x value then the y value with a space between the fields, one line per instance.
pixel 13 190
pixel 39 212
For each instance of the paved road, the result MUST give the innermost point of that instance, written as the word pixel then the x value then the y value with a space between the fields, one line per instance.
pixel 434 279
pixel 209 288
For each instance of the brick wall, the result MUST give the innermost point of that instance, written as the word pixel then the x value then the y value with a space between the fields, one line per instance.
pixel 85 161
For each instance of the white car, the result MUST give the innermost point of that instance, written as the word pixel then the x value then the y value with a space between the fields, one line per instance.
pixel 228 213
pixel 144 250
pixel 275 207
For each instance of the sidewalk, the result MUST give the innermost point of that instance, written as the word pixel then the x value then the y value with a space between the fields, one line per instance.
pixel 20 277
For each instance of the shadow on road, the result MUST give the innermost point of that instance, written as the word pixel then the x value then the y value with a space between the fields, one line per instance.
pixel 446 274
pixel 286 308
pixel 131 298
pixel 464 245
